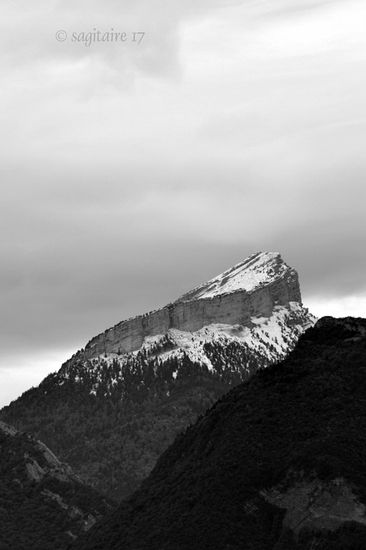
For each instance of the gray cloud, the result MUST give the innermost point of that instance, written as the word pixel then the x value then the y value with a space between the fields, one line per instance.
pixel 129 177
pixel 28 35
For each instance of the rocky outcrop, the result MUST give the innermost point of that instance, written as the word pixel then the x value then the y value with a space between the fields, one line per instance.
pixel 313 504
pixel 43 503
pixel 277 284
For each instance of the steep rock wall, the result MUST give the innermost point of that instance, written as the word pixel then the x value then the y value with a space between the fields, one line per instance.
pixel 191 315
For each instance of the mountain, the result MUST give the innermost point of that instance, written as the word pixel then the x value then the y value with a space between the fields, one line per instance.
pixel 279 463
pixel 43 504
pixel 116 405
pixel 242 297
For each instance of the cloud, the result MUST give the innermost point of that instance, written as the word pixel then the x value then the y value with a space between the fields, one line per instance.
pixel 77 34
pixel 83 33
pixel 131 175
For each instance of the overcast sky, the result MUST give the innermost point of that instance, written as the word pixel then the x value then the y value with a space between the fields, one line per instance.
pixel 132 172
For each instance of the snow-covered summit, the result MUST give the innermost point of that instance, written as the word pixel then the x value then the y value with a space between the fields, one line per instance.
pixel 255 271
pixel 251 314
pixel 251 288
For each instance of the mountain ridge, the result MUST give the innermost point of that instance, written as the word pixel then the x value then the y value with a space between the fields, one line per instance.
pixel 259 268
pixel 134 403
pixel 190 314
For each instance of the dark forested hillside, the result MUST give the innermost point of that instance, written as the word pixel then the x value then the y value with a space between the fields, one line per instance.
pixel 279 463
pixel 113 436
pixel 43 504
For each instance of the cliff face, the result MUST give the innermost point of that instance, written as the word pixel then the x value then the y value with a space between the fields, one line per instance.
pixel 276 285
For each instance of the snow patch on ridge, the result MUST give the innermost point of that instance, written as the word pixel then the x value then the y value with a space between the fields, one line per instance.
pixel 258 269
pixel 265 340
pixel 270 337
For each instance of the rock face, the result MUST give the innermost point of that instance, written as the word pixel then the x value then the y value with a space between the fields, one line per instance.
pixel 315 505
pixel 252 288
pixel 43 504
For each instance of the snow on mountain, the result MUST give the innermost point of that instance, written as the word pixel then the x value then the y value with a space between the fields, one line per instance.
pixel 251 289
pixel 269 337
pixel 265 341
pixel 258 269
pixel 262 318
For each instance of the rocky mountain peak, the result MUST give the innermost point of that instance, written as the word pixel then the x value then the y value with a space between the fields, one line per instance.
pixel 250 289
pixel 258 270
